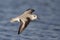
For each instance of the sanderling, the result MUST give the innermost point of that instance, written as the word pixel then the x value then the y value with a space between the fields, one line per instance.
pixel 24 19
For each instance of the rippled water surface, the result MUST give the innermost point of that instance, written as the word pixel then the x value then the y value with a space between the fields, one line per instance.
pixel 47 28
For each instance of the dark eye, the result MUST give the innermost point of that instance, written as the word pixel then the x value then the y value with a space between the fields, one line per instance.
pixel 34 16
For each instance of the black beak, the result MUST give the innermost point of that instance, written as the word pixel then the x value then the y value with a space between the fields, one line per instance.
pixel 38 18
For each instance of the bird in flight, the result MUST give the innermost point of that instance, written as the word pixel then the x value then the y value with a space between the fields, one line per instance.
pixel 24 19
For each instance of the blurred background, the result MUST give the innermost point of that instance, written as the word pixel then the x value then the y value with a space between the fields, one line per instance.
pixel 47 28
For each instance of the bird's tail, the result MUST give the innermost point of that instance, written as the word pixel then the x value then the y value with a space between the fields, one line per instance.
pixel 13 20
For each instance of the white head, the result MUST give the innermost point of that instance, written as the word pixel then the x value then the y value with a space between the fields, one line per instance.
pixel 33 17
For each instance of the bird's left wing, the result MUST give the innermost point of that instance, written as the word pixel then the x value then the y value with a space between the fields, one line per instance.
pixel 23 25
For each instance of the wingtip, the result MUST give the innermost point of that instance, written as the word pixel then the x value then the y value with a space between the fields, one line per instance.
pixel 30 9
pixel 18 33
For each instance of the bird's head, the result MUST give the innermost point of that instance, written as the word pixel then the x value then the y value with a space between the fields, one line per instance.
pixel 33 17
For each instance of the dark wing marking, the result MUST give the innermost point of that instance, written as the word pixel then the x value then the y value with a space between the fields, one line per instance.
pixel 23 25
pixel 20 27
pixel 30 12
pixel 30 9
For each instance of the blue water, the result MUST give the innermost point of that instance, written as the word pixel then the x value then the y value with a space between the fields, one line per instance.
pixel 47 28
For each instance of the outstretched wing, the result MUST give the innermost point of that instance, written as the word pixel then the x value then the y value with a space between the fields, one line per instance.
pixel 29 11
pixel 23 25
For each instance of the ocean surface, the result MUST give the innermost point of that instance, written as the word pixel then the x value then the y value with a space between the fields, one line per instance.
pixel 46 28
